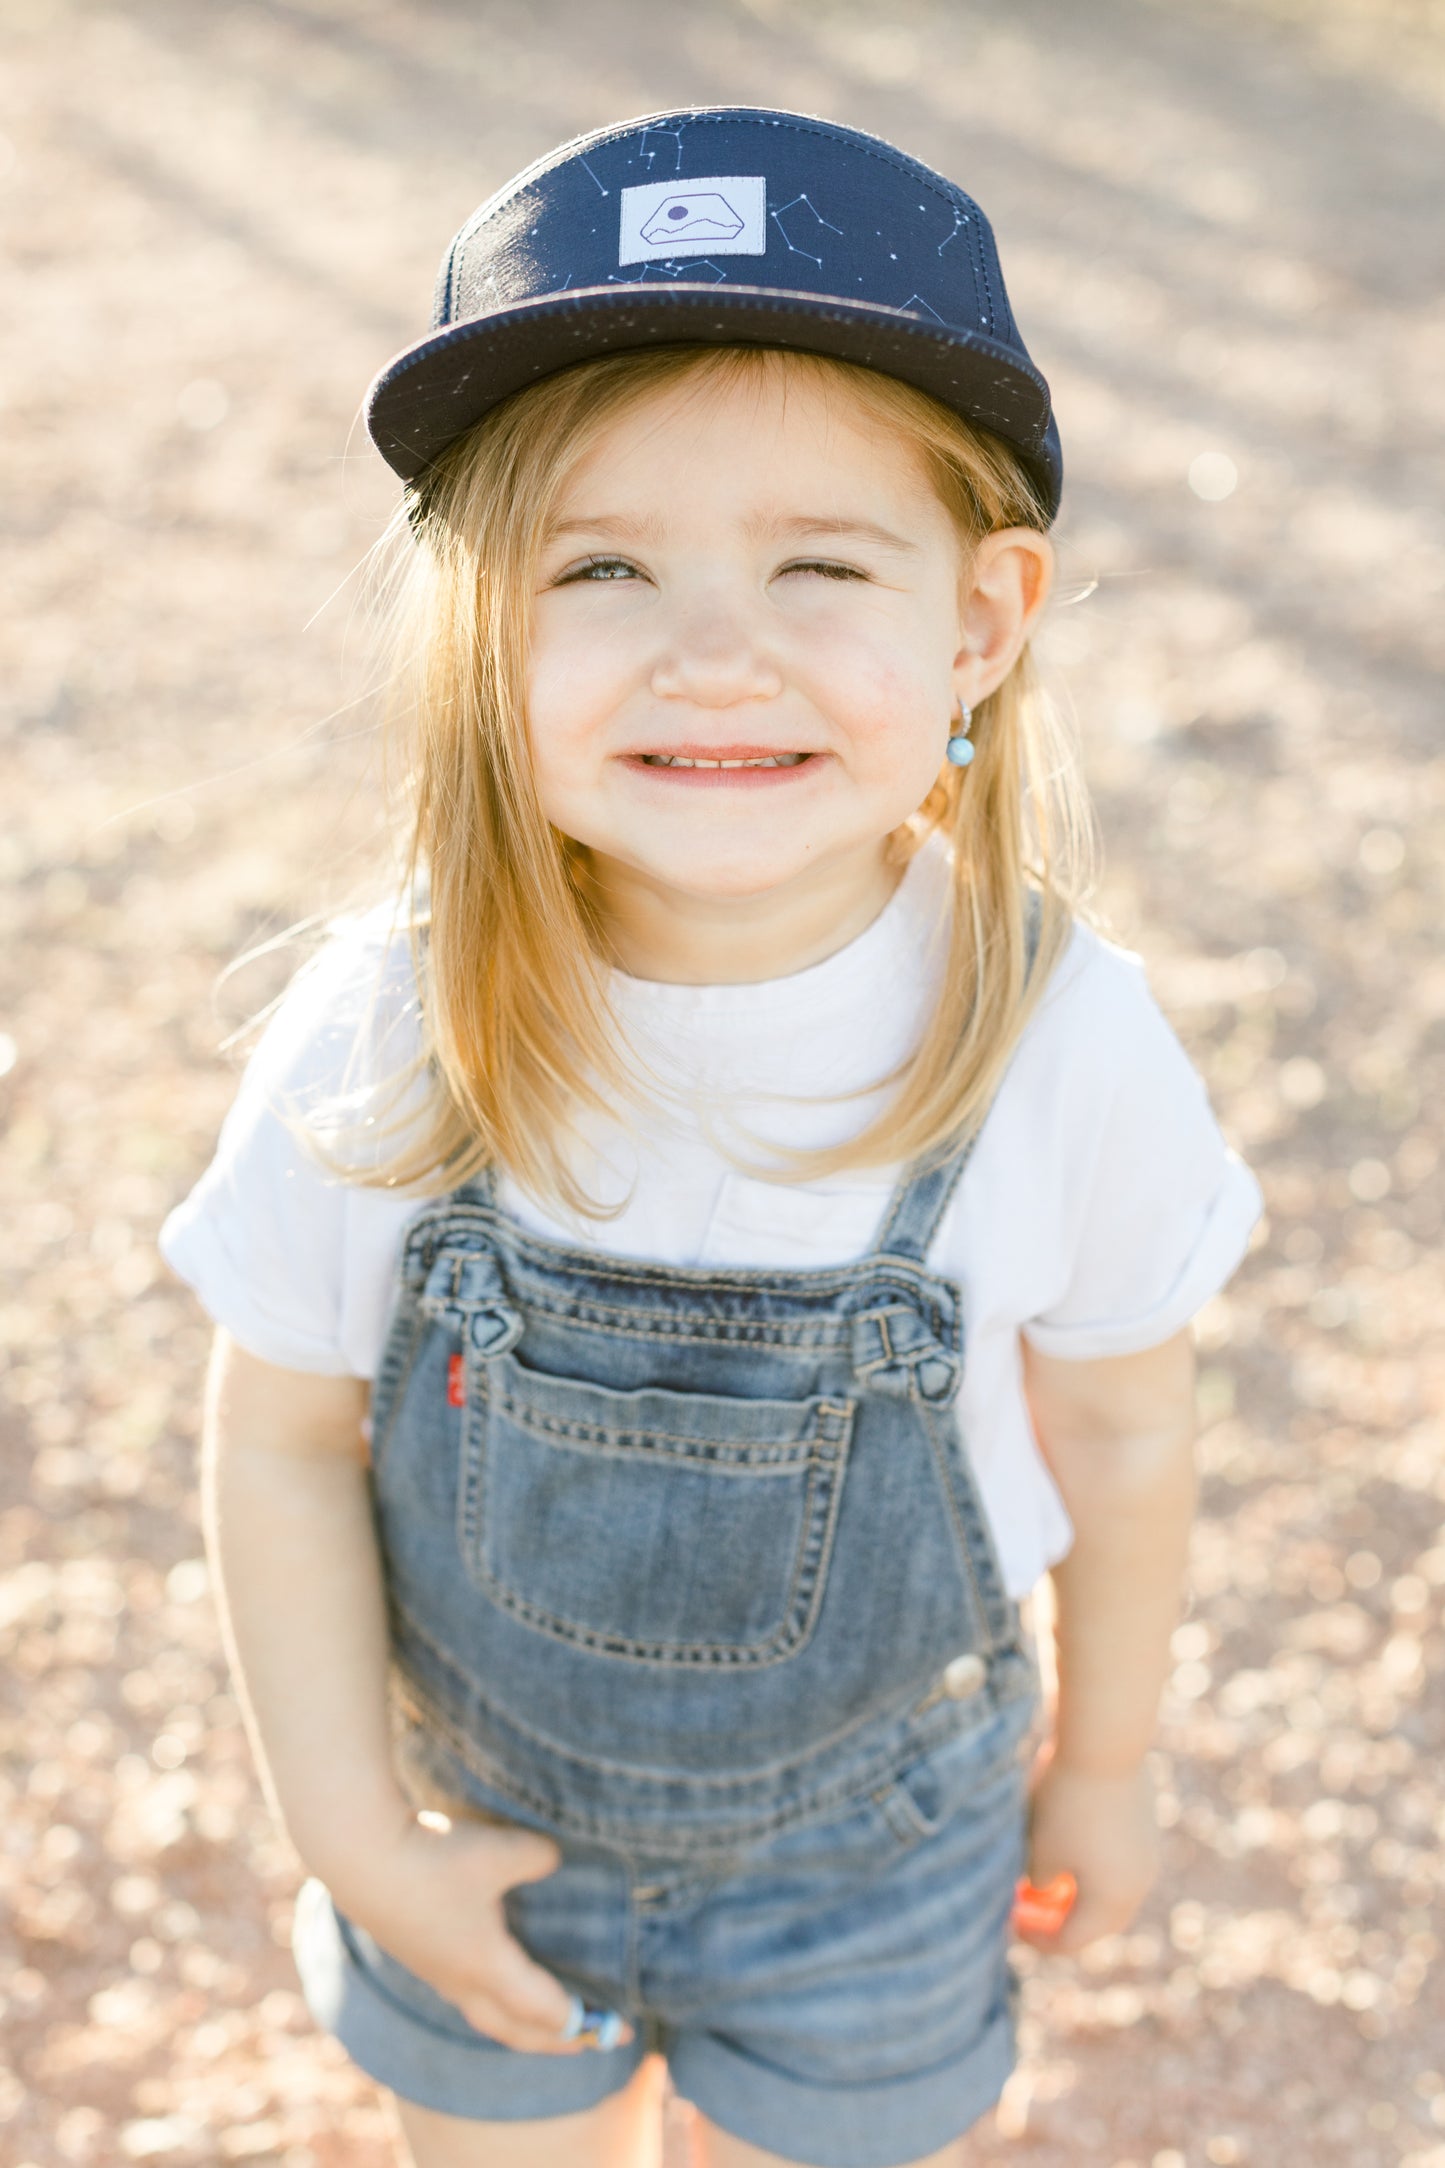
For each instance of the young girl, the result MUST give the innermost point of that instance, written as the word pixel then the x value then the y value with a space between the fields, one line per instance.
pixel 761 1218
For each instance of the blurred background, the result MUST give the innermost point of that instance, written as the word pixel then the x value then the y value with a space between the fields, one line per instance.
pixel 1222 226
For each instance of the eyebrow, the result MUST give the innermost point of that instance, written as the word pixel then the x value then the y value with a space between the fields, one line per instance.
pixel 760 528
pixel 814 523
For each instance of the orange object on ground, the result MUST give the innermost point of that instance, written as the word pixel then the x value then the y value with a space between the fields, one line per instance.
pixel 1042 1910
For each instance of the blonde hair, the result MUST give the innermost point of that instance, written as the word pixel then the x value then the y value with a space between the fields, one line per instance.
pixel 518 1032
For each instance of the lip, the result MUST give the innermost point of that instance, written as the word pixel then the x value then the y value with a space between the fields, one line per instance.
pixel 714 752
pixel 725 778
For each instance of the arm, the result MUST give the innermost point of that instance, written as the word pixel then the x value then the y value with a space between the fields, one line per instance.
pixel 291 1538
pixel 291 1542
pixel 1118 1437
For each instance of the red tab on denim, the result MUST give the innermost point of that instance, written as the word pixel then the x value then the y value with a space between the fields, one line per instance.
pixel 456 1383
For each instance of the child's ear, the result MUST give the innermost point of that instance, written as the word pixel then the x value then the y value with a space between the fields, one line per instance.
pixel 1002 595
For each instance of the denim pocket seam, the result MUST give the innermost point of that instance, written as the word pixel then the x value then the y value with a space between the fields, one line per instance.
pixel 671 1329
pixel 704 1450
pixel 900 1811
pixel 822 1473
pixel 899 1807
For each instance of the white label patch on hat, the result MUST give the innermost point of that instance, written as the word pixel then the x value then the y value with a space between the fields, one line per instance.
pixel 725 214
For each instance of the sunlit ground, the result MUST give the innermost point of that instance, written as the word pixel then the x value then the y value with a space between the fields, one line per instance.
pixel 1223 236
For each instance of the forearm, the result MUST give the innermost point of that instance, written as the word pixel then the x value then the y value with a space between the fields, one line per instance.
pixel 292 1546
pixel 1117 1600
pixel 1125 1470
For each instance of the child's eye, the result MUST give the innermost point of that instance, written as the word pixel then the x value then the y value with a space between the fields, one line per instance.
pixel 827 568
pixel 598 568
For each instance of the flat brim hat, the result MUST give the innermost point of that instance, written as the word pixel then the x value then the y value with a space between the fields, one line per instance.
pixel 720 226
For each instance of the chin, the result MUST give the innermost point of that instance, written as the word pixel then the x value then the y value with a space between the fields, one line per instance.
pixel 727 880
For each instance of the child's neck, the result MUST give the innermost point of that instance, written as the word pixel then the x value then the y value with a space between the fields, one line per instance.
pixel 660 932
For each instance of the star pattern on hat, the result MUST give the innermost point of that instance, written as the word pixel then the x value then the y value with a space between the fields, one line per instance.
pixel 838 229
pixel 783 211
pixel 645 149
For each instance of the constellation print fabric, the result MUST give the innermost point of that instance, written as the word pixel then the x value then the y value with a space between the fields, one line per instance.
pixel 719 226
pixel 875 227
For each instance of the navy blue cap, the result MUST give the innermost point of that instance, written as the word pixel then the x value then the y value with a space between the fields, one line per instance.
pixel 720 226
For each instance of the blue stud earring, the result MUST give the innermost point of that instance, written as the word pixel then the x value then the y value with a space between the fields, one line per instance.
pixel 960 752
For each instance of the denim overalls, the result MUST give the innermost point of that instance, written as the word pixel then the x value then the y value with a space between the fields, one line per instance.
pixel 687 1569
pixel 677 1556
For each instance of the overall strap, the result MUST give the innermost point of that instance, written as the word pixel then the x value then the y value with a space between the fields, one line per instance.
pixel 479 1188
pixel 918 1205
pixel 916 1208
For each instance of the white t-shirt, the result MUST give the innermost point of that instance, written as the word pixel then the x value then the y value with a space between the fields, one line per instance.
pixel 1100 1209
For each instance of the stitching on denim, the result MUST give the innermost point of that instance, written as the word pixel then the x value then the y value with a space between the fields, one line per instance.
pixel 936 1297
pixel 421 1706
pixel 823 1475
pixel 765 1463
pixel 999 1764
pixel 947 1346
pixel 973 1534
pixel 1000 1613
pixel 620 1320
pixel 693 1326
pixel 788 1637
pixel 925 1294
pixel 934 1726
pixel 704 1449
pixel 918 1210
pixel 898 1805
pixel 655 1325
pixel 847 1790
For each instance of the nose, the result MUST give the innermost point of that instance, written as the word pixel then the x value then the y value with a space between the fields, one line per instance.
pixel 713 659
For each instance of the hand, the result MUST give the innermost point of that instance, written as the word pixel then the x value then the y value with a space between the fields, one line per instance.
pixel 433 1899
pixel 1100 1829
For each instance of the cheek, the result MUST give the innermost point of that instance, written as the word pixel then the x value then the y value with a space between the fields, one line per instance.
pixel 877 660
pixel 896 731
pixel 570 690
pixel 574 687
pixel 893 712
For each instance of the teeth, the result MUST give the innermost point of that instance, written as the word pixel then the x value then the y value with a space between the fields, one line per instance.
pixel 677 760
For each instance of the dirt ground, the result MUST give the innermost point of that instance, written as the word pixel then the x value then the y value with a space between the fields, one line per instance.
pixel 1222 227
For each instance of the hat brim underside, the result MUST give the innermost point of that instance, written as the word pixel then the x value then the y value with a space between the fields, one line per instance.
pixel 435 391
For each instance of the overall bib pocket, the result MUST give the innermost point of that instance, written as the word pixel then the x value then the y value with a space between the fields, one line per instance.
pixel 660 1527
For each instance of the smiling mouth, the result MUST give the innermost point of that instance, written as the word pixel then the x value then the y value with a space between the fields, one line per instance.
pixel 763 760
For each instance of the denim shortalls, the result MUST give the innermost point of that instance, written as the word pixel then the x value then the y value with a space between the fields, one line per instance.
pixel 687 1568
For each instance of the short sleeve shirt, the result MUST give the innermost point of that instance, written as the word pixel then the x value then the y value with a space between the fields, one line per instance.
pixel 1100 1209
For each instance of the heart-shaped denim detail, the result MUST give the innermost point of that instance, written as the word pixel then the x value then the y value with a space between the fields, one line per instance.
pixel 465 1291
pixel 897 1351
